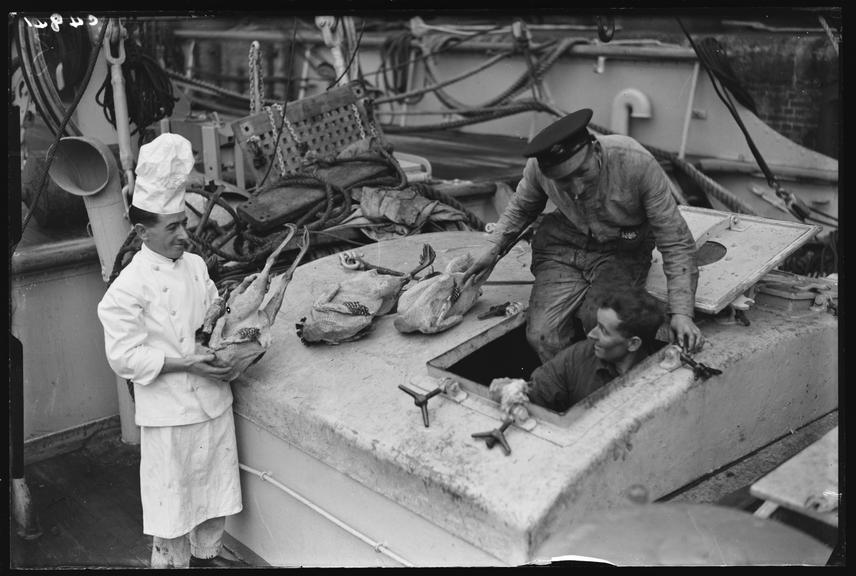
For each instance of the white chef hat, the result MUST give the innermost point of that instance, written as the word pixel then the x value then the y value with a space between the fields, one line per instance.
pixel 162 170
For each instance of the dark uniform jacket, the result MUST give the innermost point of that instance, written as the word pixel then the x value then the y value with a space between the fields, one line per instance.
pixel 631 192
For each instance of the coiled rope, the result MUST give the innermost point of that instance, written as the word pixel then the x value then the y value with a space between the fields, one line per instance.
pixel 394 55
pixel 708 185
pixel 148 91
pixel 527 79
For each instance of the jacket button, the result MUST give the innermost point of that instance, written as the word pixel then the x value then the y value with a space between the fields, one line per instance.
pixel 165 288
pixel 155 268
pixel 172 313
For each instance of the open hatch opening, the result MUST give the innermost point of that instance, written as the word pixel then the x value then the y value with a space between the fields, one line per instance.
pixel 509 356
pixel 502 351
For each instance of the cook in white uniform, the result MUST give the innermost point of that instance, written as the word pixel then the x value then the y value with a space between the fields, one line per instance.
pixel 189 478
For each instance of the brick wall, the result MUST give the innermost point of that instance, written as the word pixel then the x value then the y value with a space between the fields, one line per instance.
pixel 794 82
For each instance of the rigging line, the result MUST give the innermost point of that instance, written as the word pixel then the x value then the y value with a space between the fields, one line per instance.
pixel 479 68
pixel 93 57
pixel 445 47
pixel 353 54
pixel 794 204
pixel 828 33
pixel 834 223
pixel 729 105
pixel 516 87
pixel 824 214
pixel 204 86
pixel 820 222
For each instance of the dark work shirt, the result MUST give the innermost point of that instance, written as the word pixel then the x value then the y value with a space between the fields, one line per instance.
pixel 631 190
pixel 570 376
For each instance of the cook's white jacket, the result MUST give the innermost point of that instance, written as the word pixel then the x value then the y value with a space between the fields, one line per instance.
pixel 152 311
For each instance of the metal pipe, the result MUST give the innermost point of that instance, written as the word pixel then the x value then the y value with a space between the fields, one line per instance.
pixel 689 112
pixel 304 72
pixel 86 167
pixel 66 253
pixel 378 546
pixel 612 50
pixel 629 102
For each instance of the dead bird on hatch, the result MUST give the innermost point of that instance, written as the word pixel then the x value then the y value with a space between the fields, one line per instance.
pixel 439 302
pixel 238 331
pixel 344 312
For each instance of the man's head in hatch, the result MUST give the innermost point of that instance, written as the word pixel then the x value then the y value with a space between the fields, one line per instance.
pixel 627 324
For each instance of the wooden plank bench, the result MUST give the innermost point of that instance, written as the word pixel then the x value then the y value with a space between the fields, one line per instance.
pixel 807 483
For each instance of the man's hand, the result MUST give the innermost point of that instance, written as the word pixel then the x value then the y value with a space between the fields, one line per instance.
pixel 482 264
pixel 685 333
pixel 203 365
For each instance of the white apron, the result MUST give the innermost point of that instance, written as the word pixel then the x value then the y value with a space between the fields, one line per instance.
pixel 188 474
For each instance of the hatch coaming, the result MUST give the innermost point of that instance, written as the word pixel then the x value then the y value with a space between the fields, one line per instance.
pixel 502 352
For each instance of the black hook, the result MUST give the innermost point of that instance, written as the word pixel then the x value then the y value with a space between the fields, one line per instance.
pixel 421 400
pixel 496 436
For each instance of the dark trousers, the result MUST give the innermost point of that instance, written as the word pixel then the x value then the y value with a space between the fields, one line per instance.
pixel 572 272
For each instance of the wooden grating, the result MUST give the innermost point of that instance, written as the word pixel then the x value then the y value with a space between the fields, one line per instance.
pixel 324 124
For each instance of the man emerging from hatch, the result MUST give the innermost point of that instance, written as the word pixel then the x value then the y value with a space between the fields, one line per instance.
pixel 614 203
pixel 627 324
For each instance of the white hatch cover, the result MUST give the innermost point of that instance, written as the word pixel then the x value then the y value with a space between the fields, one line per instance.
pixel 735 251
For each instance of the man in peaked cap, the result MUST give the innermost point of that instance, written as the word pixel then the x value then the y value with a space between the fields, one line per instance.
pixel 614 203
pixel 189 476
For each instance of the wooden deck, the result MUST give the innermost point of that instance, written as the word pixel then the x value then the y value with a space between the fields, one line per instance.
pixel 88 504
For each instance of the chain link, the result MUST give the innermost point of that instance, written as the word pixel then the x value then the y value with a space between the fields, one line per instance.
pixel 273 125
pixel 359 120
pixel 257 88
pixel 288 124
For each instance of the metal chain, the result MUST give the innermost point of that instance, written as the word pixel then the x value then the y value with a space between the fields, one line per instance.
pixel 280 159
pixel 288 124
pixel 359 120
pixel 257 87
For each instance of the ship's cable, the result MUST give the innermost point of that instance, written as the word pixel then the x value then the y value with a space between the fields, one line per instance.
pixel 351 60
pixel 794 204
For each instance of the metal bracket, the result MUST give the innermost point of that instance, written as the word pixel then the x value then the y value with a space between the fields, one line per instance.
pixel 699 370
pixel 421 400
pixel 496 436
pixel 452 390
pixel 734 223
